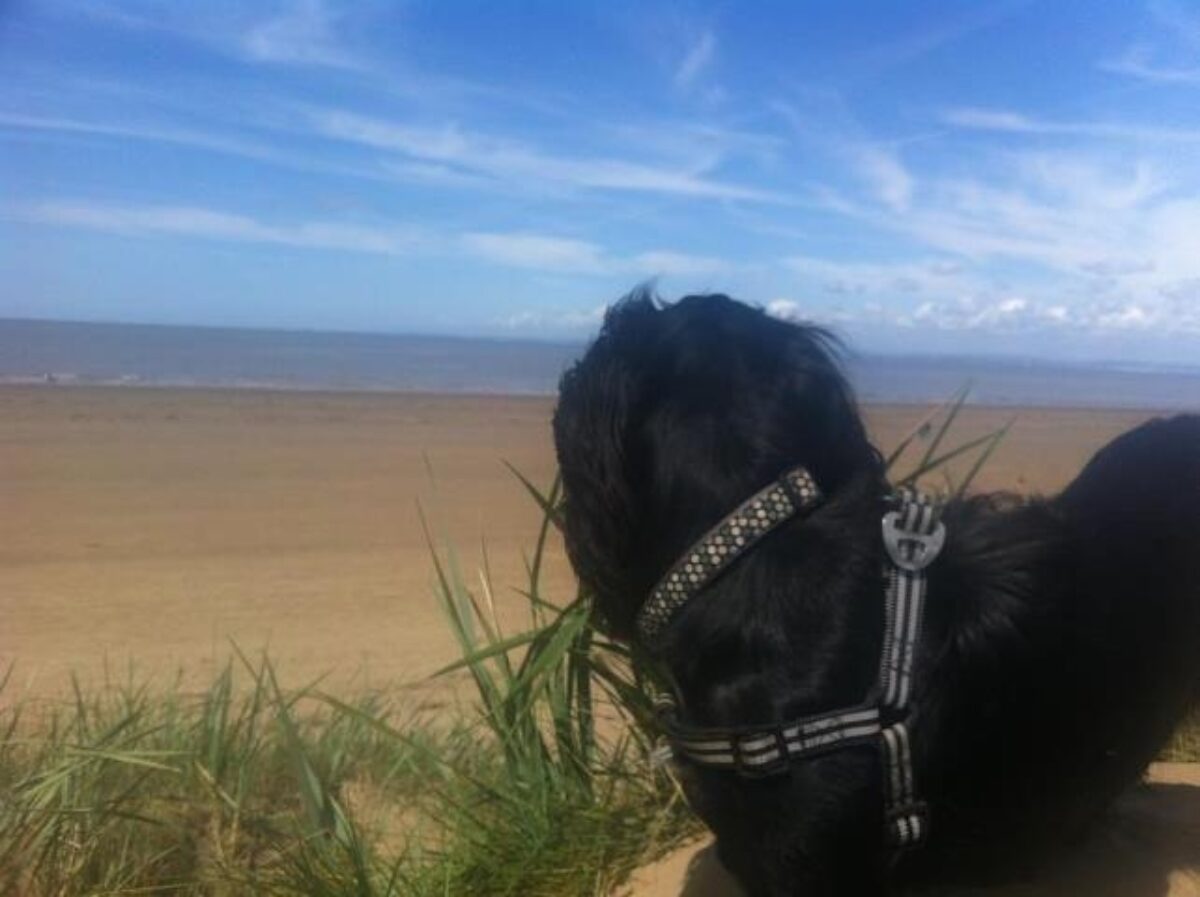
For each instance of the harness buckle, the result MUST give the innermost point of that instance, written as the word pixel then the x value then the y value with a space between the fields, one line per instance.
pixel 925 546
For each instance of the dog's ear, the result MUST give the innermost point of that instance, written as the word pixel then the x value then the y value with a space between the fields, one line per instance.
pixel 830 435
pixel 596 437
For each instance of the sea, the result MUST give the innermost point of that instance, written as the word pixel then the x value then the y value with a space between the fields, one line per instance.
pixel 136 355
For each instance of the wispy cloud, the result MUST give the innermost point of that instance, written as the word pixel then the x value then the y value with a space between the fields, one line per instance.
pixel 544 253
pixel 1100 244
pixel 823 122
pixel 1010 122
pixel 538 252
pixel 1182 21
pixel 554 254
pixel 219 143
pixel 571 319
pixel 302 34
pixel 212 224
pixel 1179 38
pixel 924 38
pixel 854 278
pixel 886 174
pixel 411 171
pixel 664 262
pixel 696 60
pixel 507 160
pixel 1137 62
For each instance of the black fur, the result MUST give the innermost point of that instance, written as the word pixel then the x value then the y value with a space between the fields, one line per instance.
pixel 1062 636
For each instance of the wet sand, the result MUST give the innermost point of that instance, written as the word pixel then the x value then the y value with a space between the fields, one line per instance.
pixel 153 526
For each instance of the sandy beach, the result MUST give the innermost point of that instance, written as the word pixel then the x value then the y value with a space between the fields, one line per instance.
pixel 147 529
pixel 153 526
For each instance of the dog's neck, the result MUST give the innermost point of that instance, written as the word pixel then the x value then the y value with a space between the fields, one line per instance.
pixel 801 631
pixel 797 628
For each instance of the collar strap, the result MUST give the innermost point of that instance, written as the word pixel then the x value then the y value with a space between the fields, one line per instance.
pixel 913 536
pixel 715 551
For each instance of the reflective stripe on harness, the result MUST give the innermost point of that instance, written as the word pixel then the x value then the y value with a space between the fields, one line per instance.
pixel 913 536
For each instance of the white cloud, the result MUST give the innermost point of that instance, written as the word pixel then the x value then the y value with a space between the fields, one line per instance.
pixel 541 252
pixel 784 309
pixel 1144 61
pixel 1136 62
pixel 209 142
pixel 1066 232
pixel 557 320
pixel 991 120
pixel 923 277
pixel 538 252
pixel 666 262
pixel 698 58
pixel 157 134
pixel 216 225
pixel 888 177
pixel 991 313
pixel 1007 121
pixel 508 160
pixel 303 34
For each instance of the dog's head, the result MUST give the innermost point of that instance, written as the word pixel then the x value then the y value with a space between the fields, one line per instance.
pixel 676 414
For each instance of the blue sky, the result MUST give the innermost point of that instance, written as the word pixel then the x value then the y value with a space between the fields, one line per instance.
pixel 927 177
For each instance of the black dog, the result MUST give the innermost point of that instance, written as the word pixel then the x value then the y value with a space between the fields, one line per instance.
pixel 1061 639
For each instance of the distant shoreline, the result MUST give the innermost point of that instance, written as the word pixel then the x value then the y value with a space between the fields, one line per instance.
pixel 127 356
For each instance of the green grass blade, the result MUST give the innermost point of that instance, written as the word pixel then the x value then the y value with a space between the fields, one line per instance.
pixel 955 406
pixel 918 431
pixel 946 457
pixel 984 457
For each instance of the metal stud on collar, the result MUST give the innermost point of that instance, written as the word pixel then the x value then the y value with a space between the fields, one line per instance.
pixel 795 491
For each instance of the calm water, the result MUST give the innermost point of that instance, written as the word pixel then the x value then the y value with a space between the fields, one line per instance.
pixel 40 351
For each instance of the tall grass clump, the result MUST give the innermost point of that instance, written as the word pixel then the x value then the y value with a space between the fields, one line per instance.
pixel 1185 746
pixel 123 789
pixel 543 787
pixel 569 803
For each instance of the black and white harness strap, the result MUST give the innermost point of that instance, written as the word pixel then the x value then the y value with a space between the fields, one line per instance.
pixel 913 537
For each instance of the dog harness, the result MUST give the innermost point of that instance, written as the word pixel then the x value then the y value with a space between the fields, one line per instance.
pixel 913 536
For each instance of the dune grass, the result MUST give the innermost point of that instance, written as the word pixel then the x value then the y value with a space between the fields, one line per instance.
pixel 249 788
pixel 542 785
pixel 1185 746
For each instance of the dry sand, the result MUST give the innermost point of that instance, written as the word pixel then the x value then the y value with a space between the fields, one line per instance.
pixel 153 526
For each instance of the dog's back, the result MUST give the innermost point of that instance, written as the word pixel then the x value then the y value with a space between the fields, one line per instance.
pixel 1134 517
pixel 1077 626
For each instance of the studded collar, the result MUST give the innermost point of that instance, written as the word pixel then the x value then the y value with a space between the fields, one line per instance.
pixel 792 493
